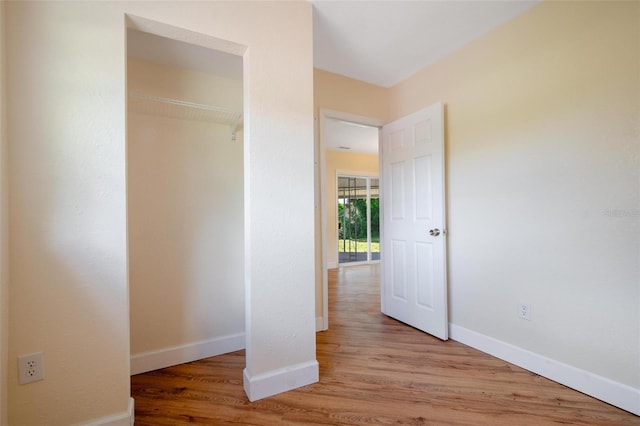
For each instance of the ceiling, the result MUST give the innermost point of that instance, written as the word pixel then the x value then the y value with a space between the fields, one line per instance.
pixel 384 42
pixel 185 55
pixel 339 135
pixel 381 42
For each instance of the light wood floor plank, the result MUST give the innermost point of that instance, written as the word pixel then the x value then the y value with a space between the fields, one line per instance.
pixel 373 371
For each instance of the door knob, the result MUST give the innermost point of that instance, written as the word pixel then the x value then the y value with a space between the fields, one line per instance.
pixel 434 232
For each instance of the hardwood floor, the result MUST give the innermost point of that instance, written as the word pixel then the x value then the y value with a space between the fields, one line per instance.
pixel 373 370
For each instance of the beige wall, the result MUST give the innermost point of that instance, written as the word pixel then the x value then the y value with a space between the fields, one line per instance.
pixel 68 248
pixel 344 94
pixel 348 164
pixel 185 213
pixel 68 279
pixel 543 182
pixel 4 239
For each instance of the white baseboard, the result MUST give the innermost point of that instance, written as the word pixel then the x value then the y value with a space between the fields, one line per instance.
pixel 281 380
pixel 154 360
pixel 320 324
pixel 607 390
pixel 122 419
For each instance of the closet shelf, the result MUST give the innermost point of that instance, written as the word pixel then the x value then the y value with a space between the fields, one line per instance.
pixel 173 108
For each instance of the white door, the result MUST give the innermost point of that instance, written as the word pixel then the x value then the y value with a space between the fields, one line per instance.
pixel 414 285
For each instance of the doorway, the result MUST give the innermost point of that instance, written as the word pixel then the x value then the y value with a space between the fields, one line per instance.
pixel 340 155
pixel 358 220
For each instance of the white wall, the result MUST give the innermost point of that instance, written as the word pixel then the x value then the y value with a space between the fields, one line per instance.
pixel 68 250
pixel 543 182
pixel 4 239
pixel 186 219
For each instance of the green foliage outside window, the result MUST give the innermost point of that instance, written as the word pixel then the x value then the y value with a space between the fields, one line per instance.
pixel 353 220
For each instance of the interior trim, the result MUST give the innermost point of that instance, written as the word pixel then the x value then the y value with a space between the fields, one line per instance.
pixel 602 388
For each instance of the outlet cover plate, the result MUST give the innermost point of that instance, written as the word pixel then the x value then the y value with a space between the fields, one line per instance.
pixel 30 368
pixel 524 311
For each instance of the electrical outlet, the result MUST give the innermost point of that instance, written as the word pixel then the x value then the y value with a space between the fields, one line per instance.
pixel 30 368
pixel 524 311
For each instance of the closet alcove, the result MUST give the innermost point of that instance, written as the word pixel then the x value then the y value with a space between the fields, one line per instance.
pixel 185 201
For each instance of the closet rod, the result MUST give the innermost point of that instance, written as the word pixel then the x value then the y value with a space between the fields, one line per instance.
pixel 232 118
pixel 179 103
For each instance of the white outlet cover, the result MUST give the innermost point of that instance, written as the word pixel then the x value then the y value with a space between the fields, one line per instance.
pixel 30 368
pixel 524 311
